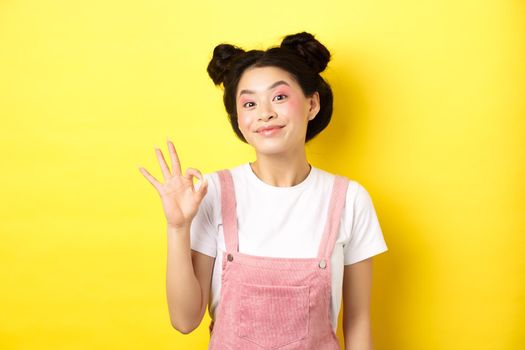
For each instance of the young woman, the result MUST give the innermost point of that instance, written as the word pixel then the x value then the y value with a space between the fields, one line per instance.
pixel 273 245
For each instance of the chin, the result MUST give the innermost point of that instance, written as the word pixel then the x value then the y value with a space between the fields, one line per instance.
pixel 270 149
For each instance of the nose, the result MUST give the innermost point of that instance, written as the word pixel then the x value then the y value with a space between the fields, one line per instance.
pixel 267 114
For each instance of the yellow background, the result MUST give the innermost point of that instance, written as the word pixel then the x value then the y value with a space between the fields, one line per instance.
pixel 429 116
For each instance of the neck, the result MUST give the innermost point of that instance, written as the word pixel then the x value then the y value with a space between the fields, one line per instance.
pixel 281 171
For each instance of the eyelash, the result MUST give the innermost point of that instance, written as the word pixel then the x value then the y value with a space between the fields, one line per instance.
pixel 281 95
pixel 244 105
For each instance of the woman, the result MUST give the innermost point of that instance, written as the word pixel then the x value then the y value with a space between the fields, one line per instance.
pixel 271 245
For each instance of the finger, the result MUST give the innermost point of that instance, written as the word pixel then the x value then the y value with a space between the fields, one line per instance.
pixel 190 172
pixel 150 178
pixel 175 163
pixel 163 166
pixel 201 192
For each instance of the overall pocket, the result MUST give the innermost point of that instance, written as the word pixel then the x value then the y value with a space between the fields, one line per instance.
pixel 273 316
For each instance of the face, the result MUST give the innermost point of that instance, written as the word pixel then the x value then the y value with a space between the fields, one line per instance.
pixel 272 110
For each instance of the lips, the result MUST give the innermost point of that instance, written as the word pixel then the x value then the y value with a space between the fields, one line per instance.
pixel 269 127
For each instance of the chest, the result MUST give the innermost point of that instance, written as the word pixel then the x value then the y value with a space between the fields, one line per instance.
pixel 281 226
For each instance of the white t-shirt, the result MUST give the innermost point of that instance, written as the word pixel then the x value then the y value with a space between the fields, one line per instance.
pixel 287 222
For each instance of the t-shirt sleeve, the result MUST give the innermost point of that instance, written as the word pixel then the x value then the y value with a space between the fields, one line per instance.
pixel 366 237
pixel 203 234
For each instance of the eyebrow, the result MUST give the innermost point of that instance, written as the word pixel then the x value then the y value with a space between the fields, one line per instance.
pixel 277 83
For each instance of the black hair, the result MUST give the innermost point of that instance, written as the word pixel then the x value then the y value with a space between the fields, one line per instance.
pixel 301 55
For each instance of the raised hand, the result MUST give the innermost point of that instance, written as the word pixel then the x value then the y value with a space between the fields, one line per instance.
pixel 179 197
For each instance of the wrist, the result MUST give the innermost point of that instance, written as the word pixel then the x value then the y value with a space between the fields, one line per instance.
pixel 180 229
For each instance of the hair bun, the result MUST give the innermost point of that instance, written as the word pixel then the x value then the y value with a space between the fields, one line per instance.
pixel 316 54
pixel 223 54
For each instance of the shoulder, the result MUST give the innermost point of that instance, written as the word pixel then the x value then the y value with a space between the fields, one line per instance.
pixel 358 199
pixel 210 207
pixel 214 183
pixel 354 188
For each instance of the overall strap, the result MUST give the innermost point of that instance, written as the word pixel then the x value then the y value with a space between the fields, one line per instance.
pixel 229 216
pixel 333 219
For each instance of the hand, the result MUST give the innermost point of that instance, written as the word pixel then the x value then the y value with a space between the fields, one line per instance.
pixel 179 198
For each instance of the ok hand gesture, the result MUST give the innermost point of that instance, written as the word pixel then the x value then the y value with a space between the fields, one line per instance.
pixel 179 198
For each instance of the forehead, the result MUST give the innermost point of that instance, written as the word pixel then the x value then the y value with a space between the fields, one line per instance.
pixel 260 78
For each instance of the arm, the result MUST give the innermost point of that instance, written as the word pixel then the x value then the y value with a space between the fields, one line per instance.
pixel 188 279
pixel 188 274
pixel 357 285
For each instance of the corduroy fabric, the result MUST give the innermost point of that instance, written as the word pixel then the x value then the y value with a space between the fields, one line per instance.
pixel 275 303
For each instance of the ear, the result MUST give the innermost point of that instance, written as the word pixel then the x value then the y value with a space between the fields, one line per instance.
pixel 315 105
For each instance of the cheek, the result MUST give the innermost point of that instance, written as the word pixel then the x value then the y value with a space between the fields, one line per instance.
pixel 294 109
pixel 244 120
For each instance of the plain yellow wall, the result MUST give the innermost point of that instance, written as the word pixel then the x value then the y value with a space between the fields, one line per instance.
pixel 429 116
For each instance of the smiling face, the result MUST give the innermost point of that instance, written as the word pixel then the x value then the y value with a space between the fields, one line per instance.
pixel 272 110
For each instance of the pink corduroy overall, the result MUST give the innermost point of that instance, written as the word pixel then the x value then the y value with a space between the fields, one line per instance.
pixel 275 303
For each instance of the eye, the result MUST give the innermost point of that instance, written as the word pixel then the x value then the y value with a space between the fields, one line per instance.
pixel 246 105
pixel 280 99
